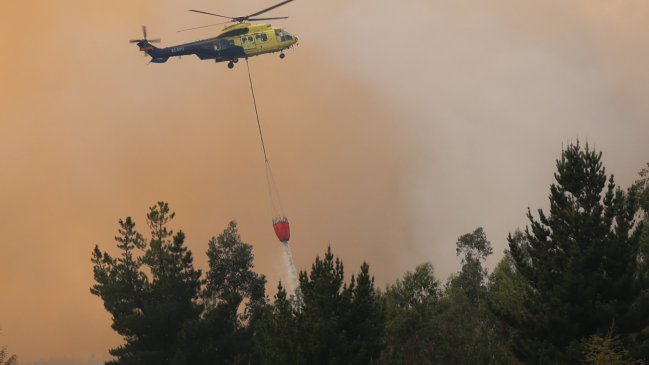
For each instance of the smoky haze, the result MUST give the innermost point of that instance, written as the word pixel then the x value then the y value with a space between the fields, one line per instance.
pixel 393 128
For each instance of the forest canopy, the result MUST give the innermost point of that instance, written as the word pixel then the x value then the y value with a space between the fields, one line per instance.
pixel 572 287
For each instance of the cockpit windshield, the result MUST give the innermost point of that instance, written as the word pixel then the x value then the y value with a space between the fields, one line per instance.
pixel 283 35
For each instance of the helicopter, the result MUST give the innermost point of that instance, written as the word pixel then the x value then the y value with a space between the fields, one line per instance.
pixel 240 40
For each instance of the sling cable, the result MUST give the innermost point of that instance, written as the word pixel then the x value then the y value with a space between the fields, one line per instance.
pixel 280 222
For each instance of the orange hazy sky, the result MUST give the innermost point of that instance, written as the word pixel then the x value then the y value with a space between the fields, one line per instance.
pixel 393 128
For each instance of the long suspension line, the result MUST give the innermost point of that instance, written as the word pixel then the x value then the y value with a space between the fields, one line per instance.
pixel 254 101
pixel 275 200
pixel 273 192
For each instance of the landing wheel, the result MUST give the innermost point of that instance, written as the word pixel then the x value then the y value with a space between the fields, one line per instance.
pixel 235 60
pixel 230 65
pixel 282 55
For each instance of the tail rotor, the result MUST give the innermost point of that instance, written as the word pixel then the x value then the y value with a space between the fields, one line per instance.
pixel 144 43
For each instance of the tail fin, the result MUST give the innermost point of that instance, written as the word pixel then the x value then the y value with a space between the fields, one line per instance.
pixel 147 48
pixel 157 55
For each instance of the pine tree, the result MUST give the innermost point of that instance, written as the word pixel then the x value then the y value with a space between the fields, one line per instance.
pixel 149 312
pixel 124 289
pixel 330 323
pixel 640 190
pixel 578 264
pixel 276 335
pixel 325 304
pixel 366 323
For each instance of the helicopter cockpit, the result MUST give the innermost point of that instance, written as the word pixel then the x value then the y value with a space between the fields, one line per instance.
pixel 283 35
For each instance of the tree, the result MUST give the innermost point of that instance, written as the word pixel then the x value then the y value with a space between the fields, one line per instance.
pixel 411 329
pixel 235 300
pixel 505 299
pixel 6 358
pixel 471 331
pixel 230 279
pixel 606 350
pixel 149 311
pixel 276 335
pixel 124 288
pixel 174 287
pixel 641 190
pixel 578 265
pixel 473 248
pixel 365 322
pixel 323 311
pixel 331 322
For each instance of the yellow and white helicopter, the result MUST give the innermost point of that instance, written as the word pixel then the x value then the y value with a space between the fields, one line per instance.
pixel 240 40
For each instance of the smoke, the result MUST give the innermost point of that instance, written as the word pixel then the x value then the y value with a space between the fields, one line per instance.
pixel 393 128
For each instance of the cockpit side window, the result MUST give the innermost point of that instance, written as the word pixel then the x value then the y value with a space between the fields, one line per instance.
pixel 283 35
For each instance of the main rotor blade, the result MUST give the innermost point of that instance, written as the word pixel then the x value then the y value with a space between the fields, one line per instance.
pixel 136 40
pixel 203 26
pixel 205 12
pixel 268 9
pixel 144 31
pixel 259 19
pixel 157 40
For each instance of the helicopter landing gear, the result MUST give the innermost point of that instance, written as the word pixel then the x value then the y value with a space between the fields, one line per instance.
pixel 282 55
pixel 235 60
pixel 230 65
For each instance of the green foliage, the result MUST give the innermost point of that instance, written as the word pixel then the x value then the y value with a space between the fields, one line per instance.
pixel 607 350
pixel 473 248
pixel 365 320
pixel 149 311
pixel 235 300
pixel 230 279
pixel 641 189
pixel 505 298
pixel 163 309
pixel 471 327
pixel 506 286
pixel 428 325
pixel 577 264
pixel 331 322
pixel 277 337
pixel 323 313
pixel 411 328
pixel 554 298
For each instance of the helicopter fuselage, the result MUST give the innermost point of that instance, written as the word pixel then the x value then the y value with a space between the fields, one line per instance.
pixel 241 40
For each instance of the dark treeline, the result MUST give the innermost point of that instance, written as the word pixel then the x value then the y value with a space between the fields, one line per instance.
pixel 572 288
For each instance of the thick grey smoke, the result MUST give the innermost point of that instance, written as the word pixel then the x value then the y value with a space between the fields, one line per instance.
pixel 393 128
